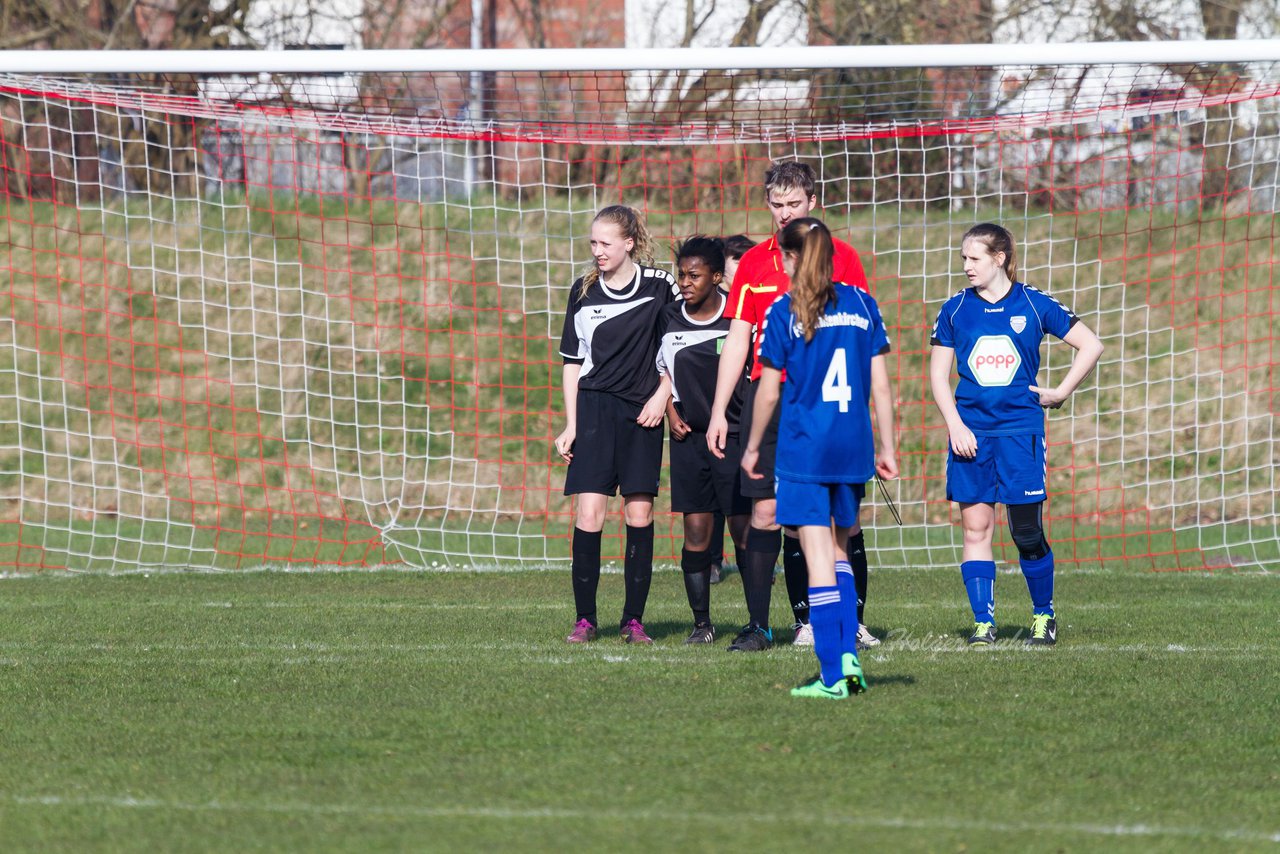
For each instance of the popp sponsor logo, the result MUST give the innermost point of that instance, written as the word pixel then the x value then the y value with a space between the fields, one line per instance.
pixel 994 360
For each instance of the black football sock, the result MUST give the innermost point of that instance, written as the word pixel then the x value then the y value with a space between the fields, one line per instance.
pixel 757 572
pixel 637 571
pixel 586 573
pixel 717 541
pixel 857 549
pixel 697 582
pixel 796 572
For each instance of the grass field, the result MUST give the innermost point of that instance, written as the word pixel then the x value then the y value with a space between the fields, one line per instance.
pixel 393 710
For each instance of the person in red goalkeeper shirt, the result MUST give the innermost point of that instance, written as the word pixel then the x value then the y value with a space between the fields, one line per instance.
pixel 790 192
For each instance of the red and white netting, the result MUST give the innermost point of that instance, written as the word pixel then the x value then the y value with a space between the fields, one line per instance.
pixel 258 317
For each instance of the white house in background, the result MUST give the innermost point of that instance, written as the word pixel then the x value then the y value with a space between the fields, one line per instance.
pixel 661 23
pixel 291 24
pixel 296 25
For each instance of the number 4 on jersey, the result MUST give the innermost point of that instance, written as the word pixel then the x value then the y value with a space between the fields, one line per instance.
pixel 835 386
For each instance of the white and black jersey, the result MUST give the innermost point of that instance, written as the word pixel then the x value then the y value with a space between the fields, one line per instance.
pixel 613 334
pixel 690 355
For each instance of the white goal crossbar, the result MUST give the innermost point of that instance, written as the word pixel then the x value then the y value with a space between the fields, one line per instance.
pixel 649 59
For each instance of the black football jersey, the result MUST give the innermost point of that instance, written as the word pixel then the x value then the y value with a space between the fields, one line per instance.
pixel 614 334
pixel 690 354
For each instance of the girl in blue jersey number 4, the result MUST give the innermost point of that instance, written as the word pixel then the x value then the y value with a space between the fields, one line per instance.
pixel 831 341
pixel 992 332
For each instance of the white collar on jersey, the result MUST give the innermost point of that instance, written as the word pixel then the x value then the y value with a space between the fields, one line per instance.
pixel 684 309
pixel 625 293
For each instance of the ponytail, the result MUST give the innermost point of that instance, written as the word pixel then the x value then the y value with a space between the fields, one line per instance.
pixel 812 288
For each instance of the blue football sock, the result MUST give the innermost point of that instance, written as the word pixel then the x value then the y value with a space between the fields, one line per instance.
pixel 848 586
pixel 980 582
pixel 1039 575
pixel 824 617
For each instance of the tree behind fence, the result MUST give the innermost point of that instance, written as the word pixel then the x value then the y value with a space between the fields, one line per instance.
pixel 313 319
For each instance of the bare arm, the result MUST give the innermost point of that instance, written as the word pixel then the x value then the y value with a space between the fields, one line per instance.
pixel 733 358
pixel 564 442
pixel 962 440
pixel 882 399
pixel 656 407
pixel 768 390
pixel 1088 350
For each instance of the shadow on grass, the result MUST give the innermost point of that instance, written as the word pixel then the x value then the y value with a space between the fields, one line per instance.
pixel 667 631
pixel 877 680
pixel 1007 634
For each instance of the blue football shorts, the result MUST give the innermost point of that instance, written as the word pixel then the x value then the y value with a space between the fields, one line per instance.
pixel 1006 470
pixel 801 504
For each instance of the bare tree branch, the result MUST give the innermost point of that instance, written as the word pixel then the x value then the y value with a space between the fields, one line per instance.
pixel 18 41
pixel 116 28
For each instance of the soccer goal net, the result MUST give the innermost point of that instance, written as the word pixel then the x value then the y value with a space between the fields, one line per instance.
pixel 259 309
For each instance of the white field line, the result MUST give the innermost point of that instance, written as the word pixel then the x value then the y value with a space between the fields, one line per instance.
pixel 916 605
pixel 517 814
pixel 19 604
pixel 323 660
pixel 563 567
pixel 615 651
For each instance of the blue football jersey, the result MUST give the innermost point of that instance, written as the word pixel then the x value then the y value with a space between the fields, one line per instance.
pixel 998 356
pixel 824 434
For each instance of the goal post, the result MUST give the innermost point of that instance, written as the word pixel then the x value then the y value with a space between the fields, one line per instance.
pixel 304 307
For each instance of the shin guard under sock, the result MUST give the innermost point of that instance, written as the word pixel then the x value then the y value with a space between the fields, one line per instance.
pixel 757 572
pixel 586 573
pixel 979 582
pixel 697 582
pixel 857 551
pixel 824 616
pixel 796 572
pixel 637 571
pixel 1039 576
pixel 848 608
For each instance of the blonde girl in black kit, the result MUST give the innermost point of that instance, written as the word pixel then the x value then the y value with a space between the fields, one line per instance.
pixel 614 407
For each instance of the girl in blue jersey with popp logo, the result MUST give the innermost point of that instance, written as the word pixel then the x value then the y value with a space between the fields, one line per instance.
pixel 992 332
pixel 831 341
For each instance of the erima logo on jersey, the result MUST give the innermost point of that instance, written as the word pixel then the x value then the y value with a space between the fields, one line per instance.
pixel 1018 322
pixel 994 360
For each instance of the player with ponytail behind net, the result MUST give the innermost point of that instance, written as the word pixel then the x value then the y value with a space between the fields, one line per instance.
pixel 992 332
pixel 791 193
pixel 831 341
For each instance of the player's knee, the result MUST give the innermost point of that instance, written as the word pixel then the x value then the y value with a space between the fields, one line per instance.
pixel 639 514
pixel 976 534
pixel 590 518
pixel 764 515
pixel 978 522
pixel 1027 530
pixel 697 531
